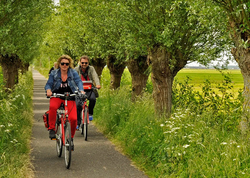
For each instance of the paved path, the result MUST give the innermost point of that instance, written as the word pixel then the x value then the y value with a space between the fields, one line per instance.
pixel 95 158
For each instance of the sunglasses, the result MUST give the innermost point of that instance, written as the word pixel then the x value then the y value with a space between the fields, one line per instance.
pixel 84 62
pixel 67 64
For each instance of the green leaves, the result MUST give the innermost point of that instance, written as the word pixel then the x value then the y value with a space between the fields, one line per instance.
pixel 20 23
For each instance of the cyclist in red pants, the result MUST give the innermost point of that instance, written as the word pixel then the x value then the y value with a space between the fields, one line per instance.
pixel 64 79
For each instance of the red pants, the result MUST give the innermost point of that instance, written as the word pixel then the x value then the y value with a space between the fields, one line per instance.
pixel 54 105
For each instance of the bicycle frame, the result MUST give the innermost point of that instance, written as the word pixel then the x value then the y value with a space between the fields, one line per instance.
pixel 85 107
pixel 63 117
pixel 63 129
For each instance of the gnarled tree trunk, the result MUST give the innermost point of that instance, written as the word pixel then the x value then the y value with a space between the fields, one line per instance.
pixel 137 68
pixel 10 65
pixel 165 66
pixel 116 70
pixel 242 56
pixel 98 64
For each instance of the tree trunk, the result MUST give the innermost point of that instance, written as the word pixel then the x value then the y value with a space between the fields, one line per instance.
pixel 242 57
pixel 24 67
pixel 116 70
pixel 165 66
pixel 10 66
pixel 98 64
pixel 137 68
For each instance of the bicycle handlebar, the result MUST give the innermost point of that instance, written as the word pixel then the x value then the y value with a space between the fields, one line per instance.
pixel 66 95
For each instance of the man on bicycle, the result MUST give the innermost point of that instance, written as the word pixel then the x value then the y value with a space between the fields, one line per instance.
pixel 87 73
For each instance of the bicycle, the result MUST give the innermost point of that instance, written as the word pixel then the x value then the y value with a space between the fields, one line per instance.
pixel 87 86
pixel 63 129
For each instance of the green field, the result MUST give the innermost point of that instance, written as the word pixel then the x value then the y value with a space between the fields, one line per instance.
pixel 199 76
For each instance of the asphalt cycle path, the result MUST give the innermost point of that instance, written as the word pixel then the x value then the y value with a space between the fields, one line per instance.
pixel 95 158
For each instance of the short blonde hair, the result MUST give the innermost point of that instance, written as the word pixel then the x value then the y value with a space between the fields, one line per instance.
pixel 65 57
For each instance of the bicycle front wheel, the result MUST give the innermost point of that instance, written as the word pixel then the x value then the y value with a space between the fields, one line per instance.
pixel 67 149
pixel 85 125
pixel 59 141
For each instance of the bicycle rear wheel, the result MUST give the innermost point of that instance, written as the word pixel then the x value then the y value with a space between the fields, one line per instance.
pixel 85 125
pixel 59 141
pixel 67 149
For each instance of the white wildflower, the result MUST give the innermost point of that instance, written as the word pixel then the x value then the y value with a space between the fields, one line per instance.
pixel 233 142
pixel 223 154
pixel 15 140
pixel 176 128
pixel 9 124
pixel 224 143
pixel 162 125
pixel 2 126
pixel 238 146
pixel 185 146
pixel 7 131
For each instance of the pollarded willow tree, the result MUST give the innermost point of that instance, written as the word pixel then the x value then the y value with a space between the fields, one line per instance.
pixel 20 34
pixel 97 34
pixel 238 25
pixel 174 33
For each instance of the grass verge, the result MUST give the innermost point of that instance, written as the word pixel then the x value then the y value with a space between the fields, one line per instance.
pixel 200 139
pixel 15 129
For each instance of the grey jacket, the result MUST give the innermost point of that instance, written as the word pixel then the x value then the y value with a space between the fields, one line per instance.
pixel 91 73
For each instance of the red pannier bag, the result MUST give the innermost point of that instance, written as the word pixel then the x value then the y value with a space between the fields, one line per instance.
pixel 87 85
pixel 46 119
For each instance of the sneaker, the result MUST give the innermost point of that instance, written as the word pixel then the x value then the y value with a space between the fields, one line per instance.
pixel 90 117
pixel 77 127
pixel 52 134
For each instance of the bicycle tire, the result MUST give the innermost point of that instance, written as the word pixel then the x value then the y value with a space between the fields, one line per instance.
pixel 85 126
pixel 82 123
pixel 59 141
pixel 67 148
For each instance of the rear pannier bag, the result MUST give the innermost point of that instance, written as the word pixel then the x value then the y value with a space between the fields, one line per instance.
pixel 46 119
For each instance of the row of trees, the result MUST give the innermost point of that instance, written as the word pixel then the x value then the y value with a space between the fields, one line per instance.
pixel 148 36
pixel 160 37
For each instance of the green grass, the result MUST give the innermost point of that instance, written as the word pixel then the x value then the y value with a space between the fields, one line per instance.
pixel 15 129
pixel 200 139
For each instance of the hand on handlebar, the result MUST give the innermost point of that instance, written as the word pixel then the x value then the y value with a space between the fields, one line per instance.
pixel 49 93
pixel 98 86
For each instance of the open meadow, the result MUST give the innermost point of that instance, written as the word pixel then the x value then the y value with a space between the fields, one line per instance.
pixel 199 76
